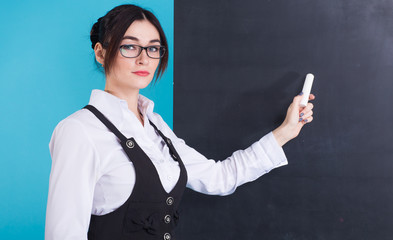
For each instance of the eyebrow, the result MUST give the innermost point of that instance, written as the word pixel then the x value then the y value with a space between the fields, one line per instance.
pixel 136 39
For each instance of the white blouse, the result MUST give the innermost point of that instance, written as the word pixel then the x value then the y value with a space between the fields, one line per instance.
pixel 91 174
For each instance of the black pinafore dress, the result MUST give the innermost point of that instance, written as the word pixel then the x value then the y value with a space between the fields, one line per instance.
pixel 150 213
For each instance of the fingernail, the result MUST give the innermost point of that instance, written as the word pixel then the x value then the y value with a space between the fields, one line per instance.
pixel 305 120
pixel 300 119
pixel 300 93
pixel 301 114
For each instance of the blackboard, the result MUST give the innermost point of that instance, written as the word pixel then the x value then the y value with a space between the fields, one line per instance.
pixel 238 64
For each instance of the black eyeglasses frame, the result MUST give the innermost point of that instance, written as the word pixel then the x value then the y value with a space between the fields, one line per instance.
pixel 162 48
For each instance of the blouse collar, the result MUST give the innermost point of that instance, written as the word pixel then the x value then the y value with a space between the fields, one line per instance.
pixel 112 107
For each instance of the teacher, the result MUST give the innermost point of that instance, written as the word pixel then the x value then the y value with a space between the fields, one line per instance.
pixel 118 170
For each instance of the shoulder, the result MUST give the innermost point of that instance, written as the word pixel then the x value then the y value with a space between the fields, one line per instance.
pixel 72 146
pixel 76 121
pixel 75 127
pixel 164 127
pixel 159 121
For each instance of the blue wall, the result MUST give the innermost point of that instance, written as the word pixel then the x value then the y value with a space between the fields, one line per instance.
pixel 47 72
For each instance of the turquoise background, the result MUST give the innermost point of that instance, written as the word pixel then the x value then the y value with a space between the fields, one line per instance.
pixel 47 72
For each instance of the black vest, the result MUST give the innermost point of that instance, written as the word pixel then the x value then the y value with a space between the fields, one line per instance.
pixel 149 212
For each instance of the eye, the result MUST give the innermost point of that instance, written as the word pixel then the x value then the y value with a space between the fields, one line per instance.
pixel 129 47
pixel 153 48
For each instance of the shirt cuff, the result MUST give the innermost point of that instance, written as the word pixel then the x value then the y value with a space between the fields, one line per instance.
pixel 274 152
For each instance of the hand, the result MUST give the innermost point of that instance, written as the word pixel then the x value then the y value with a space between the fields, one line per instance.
pixel 296 118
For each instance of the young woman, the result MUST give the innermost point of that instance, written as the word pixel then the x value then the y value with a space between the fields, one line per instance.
pixel 118 170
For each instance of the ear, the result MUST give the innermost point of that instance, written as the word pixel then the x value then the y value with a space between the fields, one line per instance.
pixel 99 52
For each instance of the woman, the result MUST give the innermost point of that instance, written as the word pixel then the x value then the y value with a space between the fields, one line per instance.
pixel 118 170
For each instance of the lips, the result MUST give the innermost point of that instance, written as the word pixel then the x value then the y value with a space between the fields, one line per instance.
pixel 141 73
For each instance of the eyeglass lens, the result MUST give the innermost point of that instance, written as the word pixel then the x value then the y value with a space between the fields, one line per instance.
pixel 132 51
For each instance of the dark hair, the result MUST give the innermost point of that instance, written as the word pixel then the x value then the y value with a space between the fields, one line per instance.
pixel 110 29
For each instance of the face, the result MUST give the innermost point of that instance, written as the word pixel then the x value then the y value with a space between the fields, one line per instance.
pixel 124 73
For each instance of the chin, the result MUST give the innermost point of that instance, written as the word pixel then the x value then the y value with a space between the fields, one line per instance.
pixel 143 83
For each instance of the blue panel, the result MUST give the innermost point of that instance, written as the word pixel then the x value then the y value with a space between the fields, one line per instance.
pixel 47 73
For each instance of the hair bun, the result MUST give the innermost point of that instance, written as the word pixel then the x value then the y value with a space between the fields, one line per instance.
pixel 95 33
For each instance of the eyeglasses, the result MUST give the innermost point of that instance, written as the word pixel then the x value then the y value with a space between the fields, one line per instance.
pixel 133 51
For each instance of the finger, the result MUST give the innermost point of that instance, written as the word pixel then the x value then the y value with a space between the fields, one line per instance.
pixel 308 120
pixel 296 102
pixel 293 110
pixel 311 96
pixel 309 106
pixel 306 115
pixel 306 109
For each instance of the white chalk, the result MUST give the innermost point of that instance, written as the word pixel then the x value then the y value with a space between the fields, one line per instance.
pixel 307 89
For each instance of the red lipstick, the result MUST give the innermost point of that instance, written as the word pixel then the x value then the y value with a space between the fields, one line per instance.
pixel 141 73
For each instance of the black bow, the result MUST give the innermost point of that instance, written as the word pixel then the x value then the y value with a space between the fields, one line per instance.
pixel 134 222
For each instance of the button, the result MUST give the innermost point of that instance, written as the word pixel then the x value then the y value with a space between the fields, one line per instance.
pixel 174 157
pixel 167 236
pixel 130 143
pixel 169 177
pixel 169 201
pixel 167 219
pixel 169 141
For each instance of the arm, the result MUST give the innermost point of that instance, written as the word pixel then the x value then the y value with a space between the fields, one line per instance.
pixel 223 177
pixel 74 172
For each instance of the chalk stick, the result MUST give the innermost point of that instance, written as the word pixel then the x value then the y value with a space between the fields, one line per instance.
pixel 307 89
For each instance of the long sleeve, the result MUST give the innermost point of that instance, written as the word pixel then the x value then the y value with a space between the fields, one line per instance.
pixel 74 172
pixel 223 177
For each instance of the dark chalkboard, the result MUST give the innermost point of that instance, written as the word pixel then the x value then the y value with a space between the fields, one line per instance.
pixel 238 64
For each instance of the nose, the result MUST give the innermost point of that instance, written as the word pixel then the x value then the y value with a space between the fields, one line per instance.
pixel 143 59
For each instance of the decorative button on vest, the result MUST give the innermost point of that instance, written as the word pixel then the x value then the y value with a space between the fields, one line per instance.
pixel 169 201
pixel 167 236
pixel 130 144
pixel 150 213
pixel 167 219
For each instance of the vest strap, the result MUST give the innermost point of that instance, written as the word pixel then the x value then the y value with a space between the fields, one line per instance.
pixel 106 122
pixel 172 149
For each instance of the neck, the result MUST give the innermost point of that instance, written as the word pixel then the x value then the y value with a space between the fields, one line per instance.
pixel 131 97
